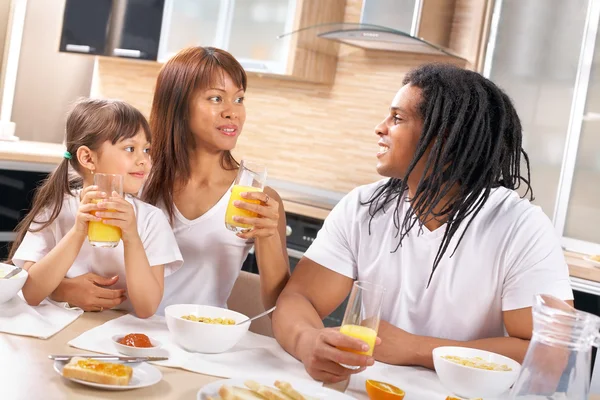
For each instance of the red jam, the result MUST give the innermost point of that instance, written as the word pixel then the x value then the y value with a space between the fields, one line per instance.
pixel 136 340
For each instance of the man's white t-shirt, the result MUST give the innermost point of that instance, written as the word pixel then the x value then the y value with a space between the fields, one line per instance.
pixel 154 230
pixel 509 254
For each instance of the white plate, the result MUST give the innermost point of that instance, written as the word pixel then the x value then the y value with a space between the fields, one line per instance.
pixel 591 261
pixel 137 351
pixel 143 375
pixel 312 390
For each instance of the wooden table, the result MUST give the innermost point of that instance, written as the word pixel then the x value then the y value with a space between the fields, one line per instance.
pixel 27 373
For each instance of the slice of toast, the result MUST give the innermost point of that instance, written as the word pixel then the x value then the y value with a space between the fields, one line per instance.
pixel 89 370
pixel 236 393
pixel 266 391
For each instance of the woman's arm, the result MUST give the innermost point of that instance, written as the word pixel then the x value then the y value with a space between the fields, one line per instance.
pixel 270 242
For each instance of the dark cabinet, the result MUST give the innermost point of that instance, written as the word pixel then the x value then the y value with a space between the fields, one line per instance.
pixel 122 28
pixel 85 26
pixel 18 188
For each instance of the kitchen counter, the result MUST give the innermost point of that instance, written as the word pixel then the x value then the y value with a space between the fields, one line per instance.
pixel 31 152
pixel 297 199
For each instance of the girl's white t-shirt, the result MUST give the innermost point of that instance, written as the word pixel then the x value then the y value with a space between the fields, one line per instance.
pixel 154 230
pixel 509 253
pixel 213 258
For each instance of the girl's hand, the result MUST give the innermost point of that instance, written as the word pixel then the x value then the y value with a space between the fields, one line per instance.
pixel 265 224
pixel 116 211
pixel 88 198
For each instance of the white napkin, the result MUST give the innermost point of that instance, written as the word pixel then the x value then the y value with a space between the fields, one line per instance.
pixel 45 320
pixel 254 356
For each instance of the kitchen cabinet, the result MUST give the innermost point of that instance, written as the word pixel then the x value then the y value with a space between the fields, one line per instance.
pixel 85 26
pixel 17 187
pixel 249 30
pixel 135 28
pixel 120 28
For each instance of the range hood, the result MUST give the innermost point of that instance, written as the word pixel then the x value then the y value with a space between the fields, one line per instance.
pixel 415 26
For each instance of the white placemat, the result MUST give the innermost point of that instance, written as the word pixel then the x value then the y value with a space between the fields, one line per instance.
pixel 255 355
pixel 43 321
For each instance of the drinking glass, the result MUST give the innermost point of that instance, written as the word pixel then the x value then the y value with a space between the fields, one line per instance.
pixel 251 177
pixel 363 312
pixel 99 233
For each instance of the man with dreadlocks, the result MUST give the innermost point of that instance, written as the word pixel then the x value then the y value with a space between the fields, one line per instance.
pixel 460 254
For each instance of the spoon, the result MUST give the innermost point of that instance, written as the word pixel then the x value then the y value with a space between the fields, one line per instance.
pixel 13 273
pixel 258 316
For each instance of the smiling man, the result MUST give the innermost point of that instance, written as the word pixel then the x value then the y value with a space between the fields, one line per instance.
pixel 460 253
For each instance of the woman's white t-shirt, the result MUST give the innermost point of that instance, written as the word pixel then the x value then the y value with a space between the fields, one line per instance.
pixel 509 254
pixel 213 258
pixel 153 228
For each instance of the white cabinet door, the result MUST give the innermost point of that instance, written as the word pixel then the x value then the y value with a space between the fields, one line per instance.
pixel 193 23
pixel 255 25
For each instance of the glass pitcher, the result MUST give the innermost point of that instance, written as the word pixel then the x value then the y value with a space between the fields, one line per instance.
pixel 558 361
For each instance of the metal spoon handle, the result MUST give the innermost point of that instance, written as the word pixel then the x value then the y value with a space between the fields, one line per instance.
pixel 258 316
pixel 12 273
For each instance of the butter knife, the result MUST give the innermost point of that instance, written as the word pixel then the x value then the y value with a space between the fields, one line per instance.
pixel 67 357
pixel 12 273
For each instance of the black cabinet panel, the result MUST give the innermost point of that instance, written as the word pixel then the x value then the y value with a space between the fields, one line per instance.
pixel 121 28
pixel 140 32
pixel 17 188
pixel 85 26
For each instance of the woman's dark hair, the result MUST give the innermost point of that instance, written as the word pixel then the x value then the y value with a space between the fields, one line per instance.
pixel 192 69
pixel 90 123
pixel 475 137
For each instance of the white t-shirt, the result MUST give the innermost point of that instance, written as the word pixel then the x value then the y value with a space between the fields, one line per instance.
pixel 154 230
pixel 213 258
pixel 509 254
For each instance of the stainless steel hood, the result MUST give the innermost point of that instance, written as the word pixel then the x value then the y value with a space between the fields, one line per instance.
pixel 415 26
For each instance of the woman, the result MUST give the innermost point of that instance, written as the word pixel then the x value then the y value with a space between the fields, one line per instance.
pixel 197 116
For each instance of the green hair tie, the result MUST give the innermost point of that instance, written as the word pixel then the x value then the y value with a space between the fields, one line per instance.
pixel 67 155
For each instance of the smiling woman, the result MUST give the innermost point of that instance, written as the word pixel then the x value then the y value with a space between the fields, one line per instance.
pixel 197 116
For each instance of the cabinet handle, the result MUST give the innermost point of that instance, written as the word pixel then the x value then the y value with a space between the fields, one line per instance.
pixel 78 48
pixel 127 53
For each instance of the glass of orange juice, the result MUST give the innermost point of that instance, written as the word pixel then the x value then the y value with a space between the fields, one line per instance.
pixel 363 312
pixel 251 177
pixel 100 234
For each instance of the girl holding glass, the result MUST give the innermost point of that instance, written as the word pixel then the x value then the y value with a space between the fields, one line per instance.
pixel 197 116
pixel 92 222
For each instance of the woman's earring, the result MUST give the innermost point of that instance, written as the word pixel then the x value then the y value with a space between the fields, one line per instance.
pixel 92 171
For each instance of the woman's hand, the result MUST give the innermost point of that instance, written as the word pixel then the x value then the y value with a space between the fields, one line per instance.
pixel 265 224
pixel 88 203
pixel 117 211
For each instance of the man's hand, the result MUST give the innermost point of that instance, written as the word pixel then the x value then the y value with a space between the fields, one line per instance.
pixel 89 292
pixel 318 349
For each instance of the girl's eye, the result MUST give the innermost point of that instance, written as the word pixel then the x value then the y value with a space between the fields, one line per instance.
pixel 215 98
pixel 239 100
pixel 129 149
pixel 147 151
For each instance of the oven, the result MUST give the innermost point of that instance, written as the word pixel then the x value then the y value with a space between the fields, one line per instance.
pixel 301 231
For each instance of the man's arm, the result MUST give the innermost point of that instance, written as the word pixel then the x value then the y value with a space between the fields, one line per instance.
pixel 399 347
pixel 311 294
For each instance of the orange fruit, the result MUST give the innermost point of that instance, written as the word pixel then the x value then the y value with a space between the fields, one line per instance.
pixel 383 391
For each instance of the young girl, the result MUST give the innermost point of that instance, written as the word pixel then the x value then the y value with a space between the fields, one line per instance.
pixel 111 137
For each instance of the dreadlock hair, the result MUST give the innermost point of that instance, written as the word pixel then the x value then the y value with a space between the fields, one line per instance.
pixel 475 137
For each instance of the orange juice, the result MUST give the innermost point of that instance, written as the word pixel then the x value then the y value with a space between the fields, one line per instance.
pixel 232 210
pixel 363 333
pixel 102 235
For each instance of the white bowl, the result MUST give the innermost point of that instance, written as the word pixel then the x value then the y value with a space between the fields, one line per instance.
pixel 11 286
pixel 472 382
pixel 136 351
pixel 200 337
